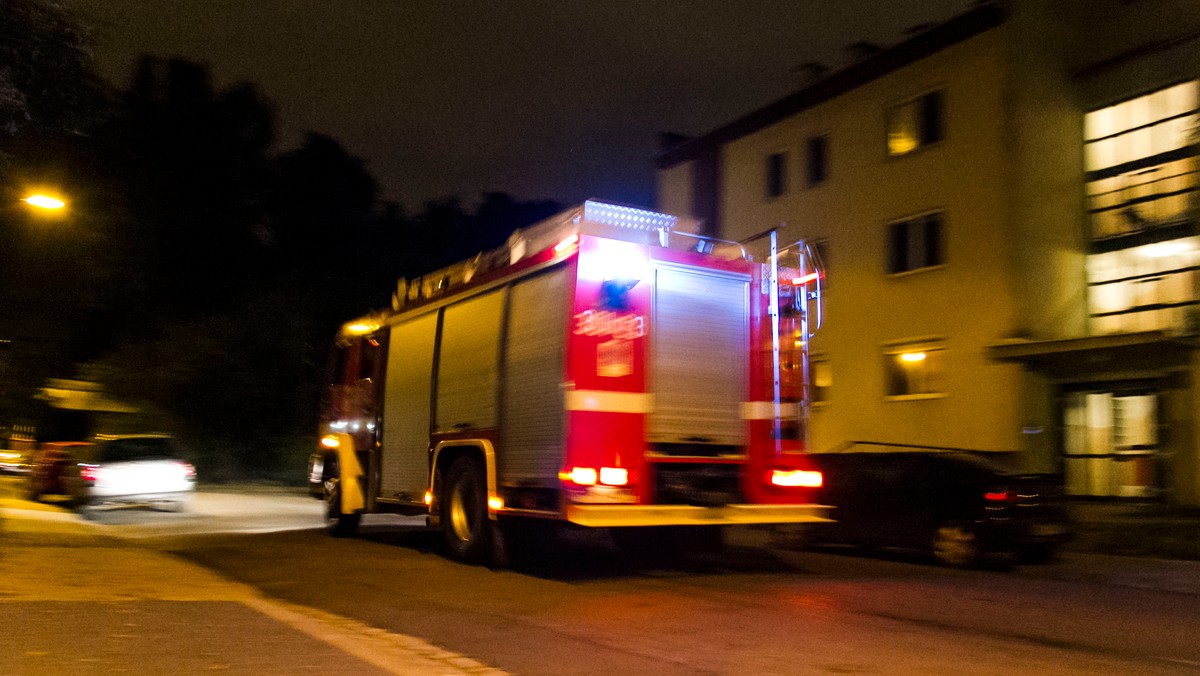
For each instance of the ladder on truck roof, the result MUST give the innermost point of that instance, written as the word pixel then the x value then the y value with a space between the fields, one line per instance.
pixel 592 218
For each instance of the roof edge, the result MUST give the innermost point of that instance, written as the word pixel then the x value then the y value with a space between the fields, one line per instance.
pixel 953 31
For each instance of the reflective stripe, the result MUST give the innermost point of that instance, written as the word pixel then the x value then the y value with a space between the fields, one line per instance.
pixel 606 401
pixel 608 516
pixel 765 410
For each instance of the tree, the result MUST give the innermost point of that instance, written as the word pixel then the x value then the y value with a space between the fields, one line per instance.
pixel 193 162
pixel 50 95
pixel 48 83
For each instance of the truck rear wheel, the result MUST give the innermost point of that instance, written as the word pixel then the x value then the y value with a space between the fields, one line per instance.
pixel 465 524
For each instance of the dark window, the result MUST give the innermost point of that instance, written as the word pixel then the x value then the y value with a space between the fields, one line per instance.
pixel 125 450
pixel 915 124
pixel 931 118
pixel 818 159
pixel 915 243
pixel 776 178
pixel 820 248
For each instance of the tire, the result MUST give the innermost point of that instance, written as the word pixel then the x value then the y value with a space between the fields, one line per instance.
pixel 337 524
pixel 465 524
pixel 956 545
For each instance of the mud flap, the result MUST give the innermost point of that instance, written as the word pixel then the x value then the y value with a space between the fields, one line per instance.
pixel 351 474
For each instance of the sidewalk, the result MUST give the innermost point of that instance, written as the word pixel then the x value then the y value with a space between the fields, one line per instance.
pixel 1148 530
pixel 76 602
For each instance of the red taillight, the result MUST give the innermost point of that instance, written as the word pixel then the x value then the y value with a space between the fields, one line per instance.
pixel 796 478
pixel 590 476
pixel 188 470
pixel 89 472
pixel 998 496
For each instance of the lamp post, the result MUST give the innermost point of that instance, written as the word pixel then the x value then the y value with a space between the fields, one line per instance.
pixel 31 262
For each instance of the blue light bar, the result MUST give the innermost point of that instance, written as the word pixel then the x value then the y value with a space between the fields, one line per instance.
pixel 626 217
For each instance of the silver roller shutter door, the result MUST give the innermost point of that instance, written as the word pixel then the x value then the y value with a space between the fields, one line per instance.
pixel 699 356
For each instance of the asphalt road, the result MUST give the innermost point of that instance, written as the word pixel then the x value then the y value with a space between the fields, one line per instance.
pixel 583 608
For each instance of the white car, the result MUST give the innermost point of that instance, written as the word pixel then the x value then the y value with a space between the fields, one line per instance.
pixel 135 469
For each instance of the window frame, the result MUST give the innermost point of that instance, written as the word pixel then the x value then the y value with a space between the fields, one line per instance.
pixel 813 360
pixel 811 145
pixel 891 354
pixel 928 122
pixel 775 174
pixel 939 244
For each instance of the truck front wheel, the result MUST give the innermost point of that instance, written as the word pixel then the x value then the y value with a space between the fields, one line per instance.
pixel 465 524
pixel 338 523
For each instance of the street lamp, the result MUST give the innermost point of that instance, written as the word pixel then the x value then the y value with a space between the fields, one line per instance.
pixel 42 201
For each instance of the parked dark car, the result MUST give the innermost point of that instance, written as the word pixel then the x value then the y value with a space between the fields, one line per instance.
pixel 961 508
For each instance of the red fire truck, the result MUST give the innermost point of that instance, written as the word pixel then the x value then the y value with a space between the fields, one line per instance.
pixel 606 368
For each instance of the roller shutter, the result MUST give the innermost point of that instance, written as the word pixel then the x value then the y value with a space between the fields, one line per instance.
pixel 699 356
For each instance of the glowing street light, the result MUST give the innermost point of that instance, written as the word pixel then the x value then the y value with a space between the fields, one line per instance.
pixel 44 202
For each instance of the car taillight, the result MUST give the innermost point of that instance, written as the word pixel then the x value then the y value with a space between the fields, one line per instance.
pixel 89 472
pixel 999 496
pixel 188 470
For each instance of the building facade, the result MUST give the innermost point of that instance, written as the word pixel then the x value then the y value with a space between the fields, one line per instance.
pixel 1007 207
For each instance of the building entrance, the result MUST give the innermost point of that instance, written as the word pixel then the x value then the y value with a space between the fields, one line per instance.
pixel 1111 442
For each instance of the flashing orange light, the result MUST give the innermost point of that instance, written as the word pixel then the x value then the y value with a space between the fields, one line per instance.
pixel 797 478
pixel 330 441
pixel 567 243
pixel 495 503
pixel 912 357
pixel 614 476
pixel 428 498
pixel 810 277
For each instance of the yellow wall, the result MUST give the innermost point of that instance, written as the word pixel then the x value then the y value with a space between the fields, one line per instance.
pixel 968 304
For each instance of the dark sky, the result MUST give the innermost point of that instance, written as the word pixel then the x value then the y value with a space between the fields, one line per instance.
pixel 554 99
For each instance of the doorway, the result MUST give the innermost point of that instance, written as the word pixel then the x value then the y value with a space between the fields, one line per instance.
pixel 1111 442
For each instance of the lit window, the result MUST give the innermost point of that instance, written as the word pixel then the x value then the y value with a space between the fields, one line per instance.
pixel 1141 161
pixel 776 174
pixel 818 160
pixel 914 370
pixel 1145 288
pixel 915 243
pixel 821 373
pixel 914 124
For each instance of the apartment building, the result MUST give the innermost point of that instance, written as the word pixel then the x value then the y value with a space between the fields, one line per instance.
pixel 1007 206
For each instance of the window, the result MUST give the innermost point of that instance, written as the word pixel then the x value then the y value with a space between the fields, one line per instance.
pixel 914 371
pixel 1145 288
pixel 821 375
pixel 915 243
pixel 776 174
pixel 1141 161
pixel 820 248
pixel 914 124
pixel 818 160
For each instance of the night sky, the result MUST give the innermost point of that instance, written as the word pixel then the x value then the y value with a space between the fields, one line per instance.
pixel 543 99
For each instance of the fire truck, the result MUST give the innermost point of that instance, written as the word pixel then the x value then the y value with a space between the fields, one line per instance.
pixel 608 367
